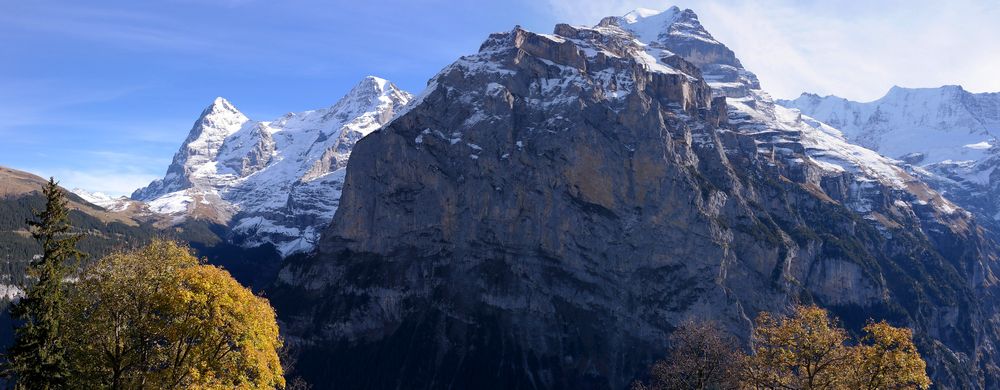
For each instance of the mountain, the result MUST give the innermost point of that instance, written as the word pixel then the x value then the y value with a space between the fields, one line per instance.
pixel 551 207
pixel 272 182
pixel 106 201
pixel 947 136
pixel 106 225
pixel 109 224
pixel 20 193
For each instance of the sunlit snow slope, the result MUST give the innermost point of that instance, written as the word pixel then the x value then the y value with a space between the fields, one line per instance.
pixel 275 181
pixel 946 135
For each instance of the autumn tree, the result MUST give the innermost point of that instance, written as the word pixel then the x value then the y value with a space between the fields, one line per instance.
pixel 37 359
pixel 886 359
pixel 803 351
pixel 807 350
pixel 700 357
pixel 156 318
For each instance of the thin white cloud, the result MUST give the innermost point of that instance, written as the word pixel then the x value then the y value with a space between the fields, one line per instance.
pixel 33 101
pixel 111 182
pixel 854 49
pixel 113 172
pixel 142 30
pixel 109 25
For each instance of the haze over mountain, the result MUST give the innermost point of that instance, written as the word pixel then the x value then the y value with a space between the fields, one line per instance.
pixel 20 195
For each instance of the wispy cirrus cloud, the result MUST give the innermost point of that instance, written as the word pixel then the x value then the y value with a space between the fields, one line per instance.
pixel 36 101
pixel 134 29
pixel 153 29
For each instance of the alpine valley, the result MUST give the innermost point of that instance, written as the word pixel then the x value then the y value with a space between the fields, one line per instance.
pixel 551 207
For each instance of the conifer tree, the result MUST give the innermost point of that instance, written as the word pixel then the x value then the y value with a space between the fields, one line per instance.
pixel 37 359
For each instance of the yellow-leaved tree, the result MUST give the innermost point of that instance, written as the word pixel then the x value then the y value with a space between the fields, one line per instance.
pixel 807 351
pixel 886 358
pixel 803 351
pixel 156 318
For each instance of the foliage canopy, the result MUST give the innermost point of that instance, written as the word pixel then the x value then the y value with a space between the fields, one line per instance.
pixel 806 350
pixel 156 318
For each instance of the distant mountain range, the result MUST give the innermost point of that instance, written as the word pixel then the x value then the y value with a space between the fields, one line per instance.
pixel 947 136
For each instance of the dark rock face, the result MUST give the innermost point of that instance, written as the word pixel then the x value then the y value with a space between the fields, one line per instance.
pixel 550 208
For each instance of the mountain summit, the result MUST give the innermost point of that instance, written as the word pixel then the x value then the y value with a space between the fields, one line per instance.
pixel 550 207
pixel 193 164
pixel 276 181
pixel 667 27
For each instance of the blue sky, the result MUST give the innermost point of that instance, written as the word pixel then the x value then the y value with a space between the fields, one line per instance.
pixel 101 93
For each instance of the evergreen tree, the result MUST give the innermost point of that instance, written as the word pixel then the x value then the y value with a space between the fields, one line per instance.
pixel 37 359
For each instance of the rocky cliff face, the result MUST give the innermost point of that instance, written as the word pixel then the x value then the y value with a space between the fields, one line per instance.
pixel 274 182
pixel 552 206
pixel 947 136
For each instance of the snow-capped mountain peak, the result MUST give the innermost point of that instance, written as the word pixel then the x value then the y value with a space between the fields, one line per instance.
pixel 655 26
pixel 217 121
pixel 221 105
pixel 647 24
pixel 913 120
pixel 643 13
pixel 680 32
pixel 193 164
pixel 103 200
pixel 789 137
pixel 92 197
pixel 371 96
pixel 272 181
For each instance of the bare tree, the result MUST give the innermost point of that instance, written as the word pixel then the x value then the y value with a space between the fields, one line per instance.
pixel 701 357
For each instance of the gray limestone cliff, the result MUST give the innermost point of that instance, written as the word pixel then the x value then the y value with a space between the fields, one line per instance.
pixel 550 208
